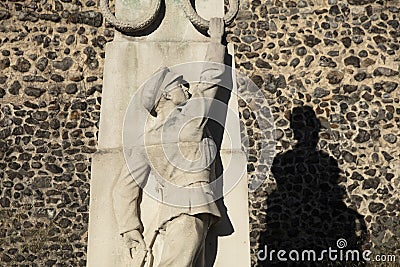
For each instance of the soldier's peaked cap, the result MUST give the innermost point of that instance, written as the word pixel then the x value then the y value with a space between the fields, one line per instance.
pixel 162 81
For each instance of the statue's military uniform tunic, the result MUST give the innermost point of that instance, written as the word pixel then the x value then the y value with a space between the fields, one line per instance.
pixel 179 152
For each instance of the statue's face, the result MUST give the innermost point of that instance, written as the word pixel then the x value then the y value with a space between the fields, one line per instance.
pixel 179 94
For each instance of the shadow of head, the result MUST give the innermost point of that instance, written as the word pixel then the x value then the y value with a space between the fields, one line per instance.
pixel 305 125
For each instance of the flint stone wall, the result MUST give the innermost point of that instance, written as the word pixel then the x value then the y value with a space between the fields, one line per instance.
pixel 339 57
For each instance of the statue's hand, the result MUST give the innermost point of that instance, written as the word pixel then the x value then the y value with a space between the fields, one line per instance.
pixel 134 241
pixel 217 29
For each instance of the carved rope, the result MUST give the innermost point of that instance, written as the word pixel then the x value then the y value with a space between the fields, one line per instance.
pixel 132 25
pixel 204 24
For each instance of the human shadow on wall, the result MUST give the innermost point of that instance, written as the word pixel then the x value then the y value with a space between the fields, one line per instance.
pixel 306 211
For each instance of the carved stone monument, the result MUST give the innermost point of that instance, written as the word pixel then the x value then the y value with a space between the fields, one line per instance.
pixel 154 34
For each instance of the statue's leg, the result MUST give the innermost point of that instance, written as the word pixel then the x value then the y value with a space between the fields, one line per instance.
pixel 126 193
pixel 201 255
pixel 184 240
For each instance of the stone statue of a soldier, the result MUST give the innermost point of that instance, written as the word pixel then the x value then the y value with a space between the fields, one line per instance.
pixel 177 149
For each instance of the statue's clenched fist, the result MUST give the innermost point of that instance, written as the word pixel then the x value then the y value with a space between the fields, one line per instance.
pixel 134 241
pixel 217 29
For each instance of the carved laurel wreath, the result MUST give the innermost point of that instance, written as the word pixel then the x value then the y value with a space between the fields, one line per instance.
pixel 143 22
pixel 132 25
pixel 204 24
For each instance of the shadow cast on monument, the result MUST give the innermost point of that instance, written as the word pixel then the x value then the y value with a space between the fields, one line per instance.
pixel 306 211
pixel 224 227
